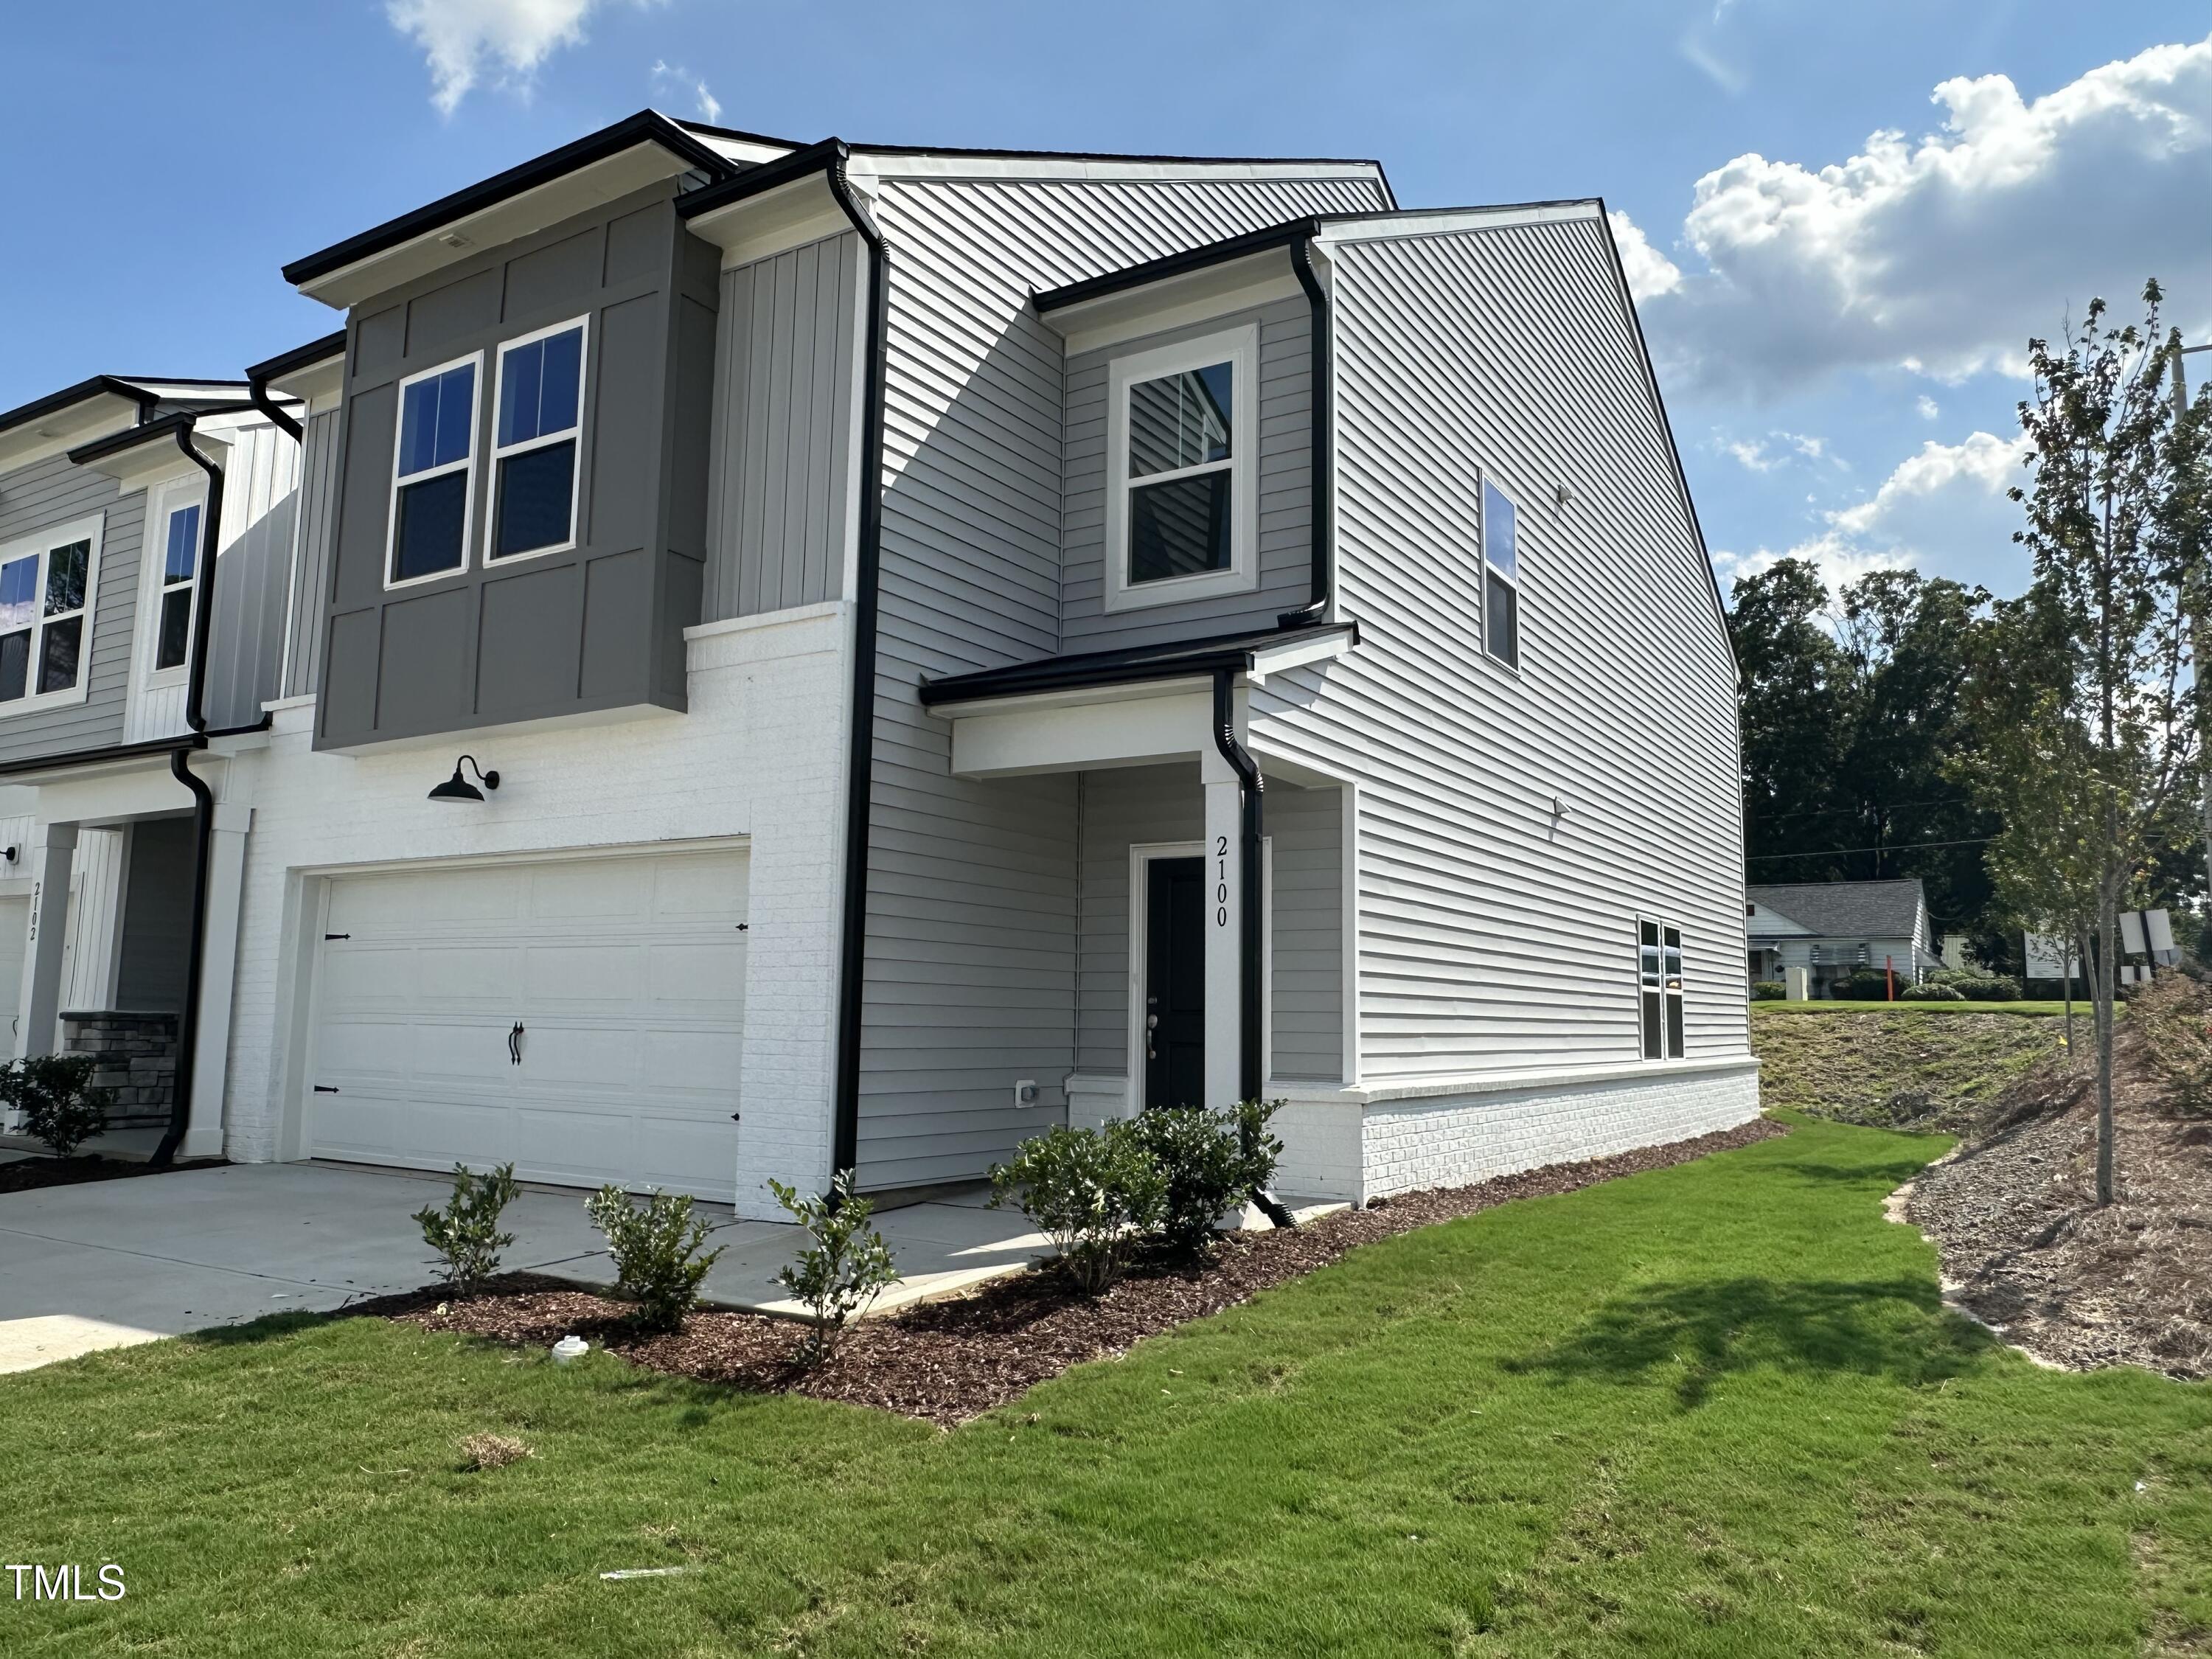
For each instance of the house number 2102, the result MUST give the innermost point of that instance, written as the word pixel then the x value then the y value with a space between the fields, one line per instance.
pixel 1221 881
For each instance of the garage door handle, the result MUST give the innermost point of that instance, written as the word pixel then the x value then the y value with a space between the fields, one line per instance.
pixel 514 1044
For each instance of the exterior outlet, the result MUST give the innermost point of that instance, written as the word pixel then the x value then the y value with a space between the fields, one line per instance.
pixel 1025 1093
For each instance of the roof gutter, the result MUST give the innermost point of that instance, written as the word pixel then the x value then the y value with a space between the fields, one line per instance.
pixel 257 392
pixel 1321 448
pixel 188 1022
pixel 1251 1073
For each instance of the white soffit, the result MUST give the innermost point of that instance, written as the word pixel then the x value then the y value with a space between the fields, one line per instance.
pixel 317 382
pixel 1092 168
pixel 63 429
pixel 1177 301
pixel 516 216
pixel 1454 221
pixel 158 458
pixel 790 216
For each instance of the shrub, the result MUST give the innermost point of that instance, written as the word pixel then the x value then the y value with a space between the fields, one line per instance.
pixel 1930 992
pixel 845 1265
pixel 658 1262
pixel 2172 1016
pixel 465 1234
pixel 1986 988
pixel 1768 990
pixel 1089 1191
pixel 1872 985
pixel 1209 1161
pixel 54 1097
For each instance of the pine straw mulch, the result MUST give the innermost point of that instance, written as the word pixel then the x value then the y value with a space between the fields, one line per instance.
pixel 29 1174
pixel 950 1360
pixel 2026 1248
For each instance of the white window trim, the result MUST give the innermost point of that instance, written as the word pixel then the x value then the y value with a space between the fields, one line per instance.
pixel 170 495
pixel 1680 995
pixel 1240 348
pixel 575 434
pixel 1142 854
pixel 44 542
pixel 467 463
pixel 1486 481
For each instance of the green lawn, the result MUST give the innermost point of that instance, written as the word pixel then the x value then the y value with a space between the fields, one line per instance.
pixel 1716 1409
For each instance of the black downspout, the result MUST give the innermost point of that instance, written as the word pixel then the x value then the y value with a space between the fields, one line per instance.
pixel 257 392
pixel 1251 1074
pixel 188 1022
pixel 853 954
pixel 1322 457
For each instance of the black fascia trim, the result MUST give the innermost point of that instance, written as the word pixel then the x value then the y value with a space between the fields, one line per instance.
pixel 299 357
pixel 1129 665
pixel 1177 265
pixel 70 759
pixel 859 769
pixel 831 153
pixel 110 385
pixel 646 126
pixel 131 436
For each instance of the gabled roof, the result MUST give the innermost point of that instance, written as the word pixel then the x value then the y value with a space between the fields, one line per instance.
pixel 1847 909
pixel 61 420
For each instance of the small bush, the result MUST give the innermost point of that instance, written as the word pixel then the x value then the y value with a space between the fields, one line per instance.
pixel 1871 985
pixel 1932 991
pixel 1986 988
pixel 1089 1191
pixel 465 1234
pixel 54 1096
pixel 1209 1161
pixel 845 1265
pixel 658 1262
pixel 1768 990
pixel 2173 1016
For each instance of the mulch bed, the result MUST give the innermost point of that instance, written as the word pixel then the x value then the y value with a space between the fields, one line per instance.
pixel 28 1175
pixel 2026 1248
pixel 947 1361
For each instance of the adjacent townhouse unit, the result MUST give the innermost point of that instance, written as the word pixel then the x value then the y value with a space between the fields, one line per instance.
pixel 777 658
pixel 1833 929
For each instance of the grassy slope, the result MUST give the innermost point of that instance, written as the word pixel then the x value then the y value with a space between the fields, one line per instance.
pixel 1850 1064
pixel 1716 1409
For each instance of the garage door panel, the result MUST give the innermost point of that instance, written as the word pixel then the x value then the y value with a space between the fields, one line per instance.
pixel 628 974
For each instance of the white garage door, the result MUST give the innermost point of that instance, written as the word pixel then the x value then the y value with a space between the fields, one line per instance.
pixel 625 974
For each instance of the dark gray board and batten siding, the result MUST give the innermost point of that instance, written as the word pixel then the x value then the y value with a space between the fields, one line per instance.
pixel 597 627
pixel 973 895
pixel 46 495
pixel 783 488
pixel 1493 937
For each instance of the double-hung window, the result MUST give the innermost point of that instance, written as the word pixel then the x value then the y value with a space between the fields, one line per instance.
pixel 534 452
pixel 1501 578
pixel 180 556
pixel 1659 984
pixel 45 593
pixel 433 471
pixel 1181 435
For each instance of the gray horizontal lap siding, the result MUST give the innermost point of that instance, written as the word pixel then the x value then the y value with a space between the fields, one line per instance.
pixel 973 885
pixel 1494 939
pixel 318 510
pixel 1133 806
pixel 1283 476
pixel 784 423
pixel 48 494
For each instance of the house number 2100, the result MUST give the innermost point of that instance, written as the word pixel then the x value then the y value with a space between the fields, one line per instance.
pixel 1221 881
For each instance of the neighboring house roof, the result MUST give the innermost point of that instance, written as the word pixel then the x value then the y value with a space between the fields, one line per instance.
pixel 1847 909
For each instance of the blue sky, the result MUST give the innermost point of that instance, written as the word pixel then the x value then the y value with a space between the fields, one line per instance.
pixel 1845 219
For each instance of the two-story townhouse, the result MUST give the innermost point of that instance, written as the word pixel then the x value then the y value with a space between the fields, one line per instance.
pixel 841 656
pixel 146 528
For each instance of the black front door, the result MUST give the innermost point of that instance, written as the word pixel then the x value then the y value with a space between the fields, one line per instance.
pixel 1175 983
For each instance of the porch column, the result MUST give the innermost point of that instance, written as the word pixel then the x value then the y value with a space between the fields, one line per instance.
pixel 1224 910
pixel 226 878
pixel 52 850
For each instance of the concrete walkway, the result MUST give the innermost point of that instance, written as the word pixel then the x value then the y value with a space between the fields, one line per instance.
pixel 113 1262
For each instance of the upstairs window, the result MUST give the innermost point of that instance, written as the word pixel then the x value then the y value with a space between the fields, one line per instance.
pixel 1501 578
pixel 431 498
pixel 1659 983
pixel 172 628
pixel 541 400
pixel 1181 435
pixel 45 591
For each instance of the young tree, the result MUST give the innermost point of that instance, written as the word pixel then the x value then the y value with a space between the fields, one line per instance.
pixel 2103 731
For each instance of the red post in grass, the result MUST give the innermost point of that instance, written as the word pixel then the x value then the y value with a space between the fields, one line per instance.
pixel 1889 966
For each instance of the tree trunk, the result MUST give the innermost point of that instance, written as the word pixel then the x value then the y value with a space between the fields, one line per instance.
pixel 2108 925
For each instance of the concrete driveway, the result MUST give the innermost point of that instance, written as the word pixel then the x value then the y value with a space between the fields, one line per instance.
pixel 113 1262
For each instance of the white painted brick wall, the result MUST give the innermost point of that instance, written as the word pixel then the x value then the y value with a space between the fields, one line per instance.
pixel 1456 1140
pixel 760 754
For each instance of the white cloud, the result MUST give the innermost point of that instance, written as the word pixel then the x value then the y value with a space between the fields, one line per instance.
pixel 666 75
pixel 1649 272
pixel 1976 470
pixel 1928 408
pixel 465 40
pixel 1943 254
pixel 1775 449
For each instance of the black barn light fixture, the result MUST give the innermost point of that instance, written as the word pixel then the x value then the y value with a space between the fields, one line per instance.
pixel 458 787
